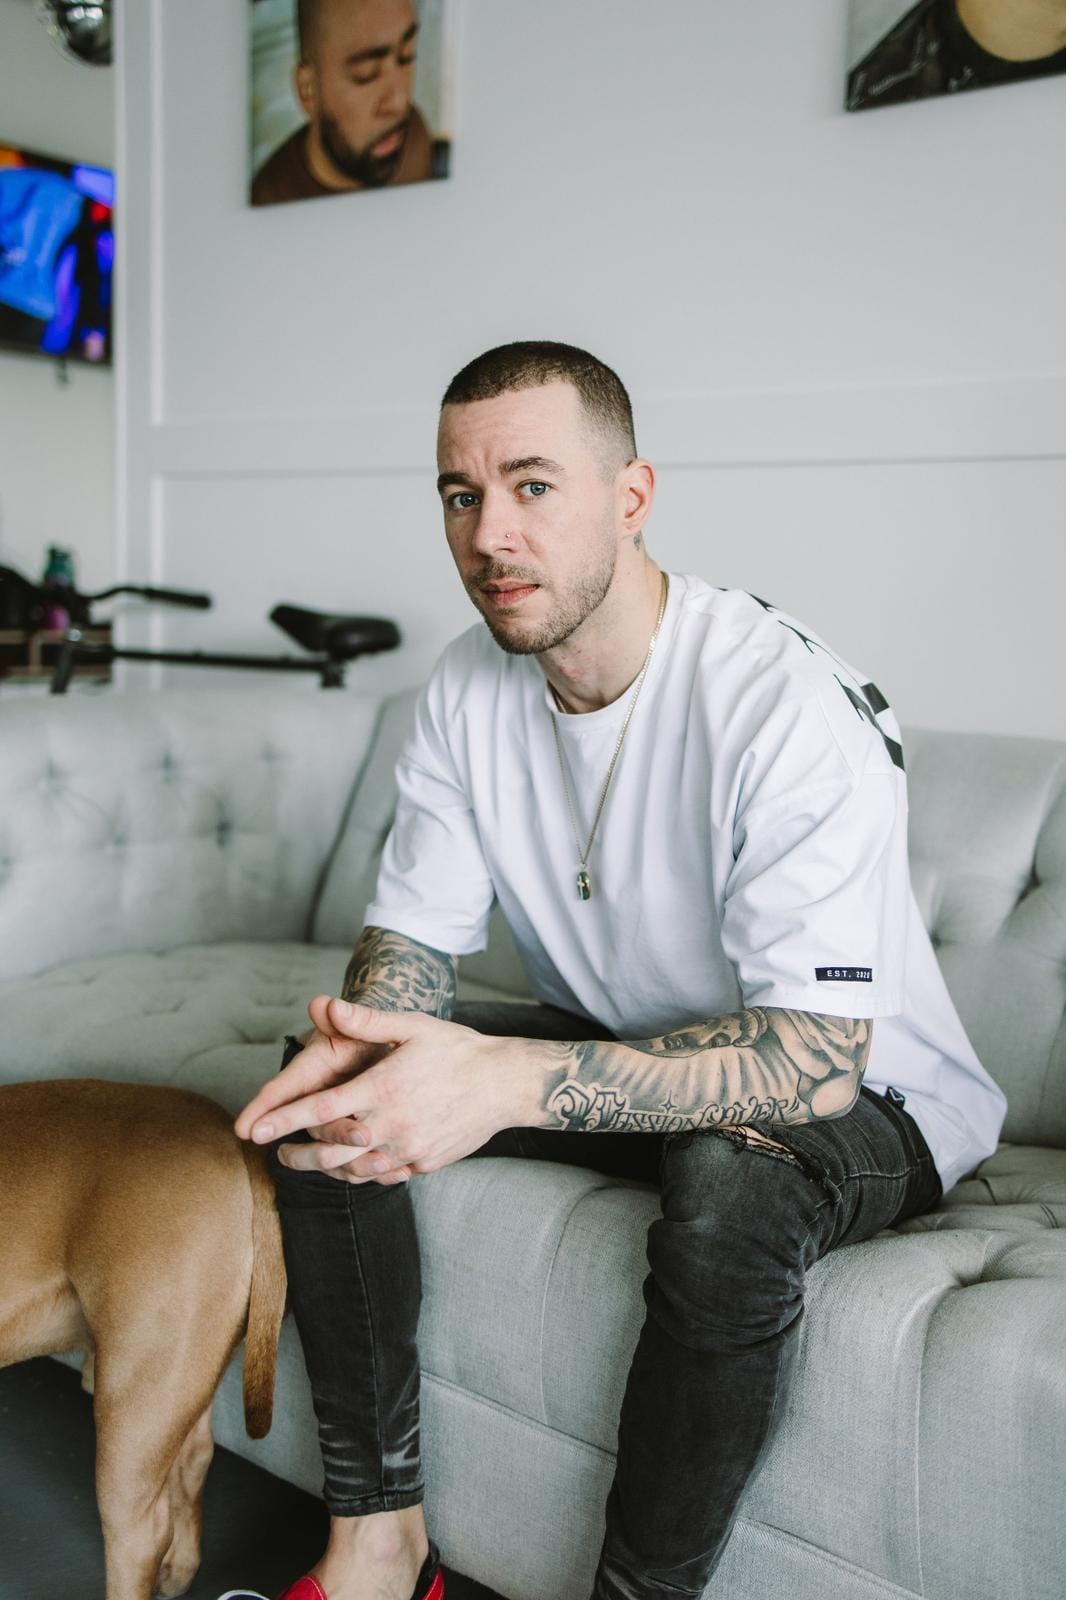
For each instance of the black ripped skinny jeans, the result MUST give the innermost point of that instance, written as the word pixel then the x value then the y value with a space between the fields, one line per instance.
pixel 740 1227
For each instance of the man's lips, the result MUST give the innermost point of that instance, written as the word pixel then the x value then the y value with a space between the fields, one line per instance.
pixel 508 594
pixel 390 143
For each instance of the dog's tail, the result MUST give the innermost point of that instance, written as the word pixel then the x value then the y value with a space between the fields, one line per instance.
pixel 266 1299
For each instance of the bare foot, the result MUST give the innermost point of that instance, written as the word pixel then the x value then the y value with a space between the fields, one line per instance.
pixel 377 1557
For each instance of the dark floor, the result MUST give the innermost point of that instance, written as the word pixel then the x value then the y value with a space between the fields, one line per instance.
pixel 258 1531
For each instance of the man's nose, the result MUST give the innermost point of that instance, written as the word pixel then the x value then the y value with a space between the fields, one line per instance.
pixel 395 96
pixel 495 529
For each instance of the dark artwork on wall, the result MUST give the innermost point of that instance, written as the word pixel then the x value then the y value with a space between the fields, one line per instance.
pixel 347 95
pixel 902 51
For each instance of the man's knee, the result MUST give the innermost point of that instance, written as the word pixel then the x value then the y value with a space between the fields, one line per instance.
pixel 752 1139
pixel 730 1253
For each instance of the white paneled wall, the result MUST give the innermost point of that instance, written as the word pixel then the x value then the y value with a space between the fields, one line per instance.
pixel 843 335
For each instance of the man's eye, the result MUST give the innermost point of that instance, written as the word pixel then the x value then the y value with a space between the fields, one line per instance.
pixel 462 500
pixel 407 61
pixel 534 491
pixel 363 78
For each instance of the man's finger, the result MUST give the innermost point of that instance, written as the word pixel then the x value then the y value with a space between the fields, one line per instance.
pixel 307 1071
pixel 317 1156
pixel 279 1110
pixel 347 1102
pixel 344 1130
pixel 313 1069
pixel 304 1075
pixel 356 1021
pixel 318 1011
pixel 339 1161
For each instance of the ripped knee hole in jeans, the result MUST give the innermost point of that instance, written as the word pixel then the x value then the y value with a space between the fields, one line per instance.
pixel 748 1138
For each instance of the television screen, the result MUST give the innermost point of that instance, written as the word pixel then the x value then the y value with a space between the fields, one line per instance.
pixel 57 247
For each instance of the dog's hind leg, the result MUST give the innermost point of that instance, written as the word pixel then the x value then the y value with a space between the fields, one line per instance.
pixel 136 1445
pixel 186 1489
pixel 152 1434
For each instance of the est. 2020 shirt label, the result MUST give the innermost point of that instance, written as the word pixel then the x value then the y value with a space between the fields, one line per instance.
pixel 844 974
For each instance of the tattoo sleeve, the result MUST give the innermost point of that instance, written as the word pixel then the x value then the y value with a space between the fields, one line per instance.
pixel 394 973
pixel 757 1067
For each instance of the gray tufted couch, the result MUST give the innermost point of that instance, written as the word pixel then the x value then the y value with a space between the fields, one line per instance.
pixel 180 872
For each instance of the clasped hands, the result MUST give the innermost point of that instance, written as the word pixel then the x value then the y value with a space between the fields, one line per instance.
pixel 384 1094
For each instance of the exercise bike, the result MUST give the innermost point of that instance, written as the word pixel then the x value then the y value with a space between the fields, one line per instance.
pixel 334 638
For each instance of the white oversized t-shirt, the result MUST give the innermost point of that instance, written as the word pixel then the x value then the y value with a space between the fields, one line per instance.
pixel 752 849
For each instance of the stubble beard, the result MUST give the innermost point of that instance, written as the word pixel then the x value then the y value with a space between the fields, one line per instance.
pixel 373 172
pixel 588 592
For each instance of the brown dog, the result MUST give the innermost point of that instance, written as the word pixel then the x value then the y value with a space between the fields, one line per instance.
pixel 136 1226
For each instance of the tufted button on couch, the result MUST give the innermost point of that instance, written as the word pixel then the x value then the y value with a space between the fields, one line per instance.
pixel 181 872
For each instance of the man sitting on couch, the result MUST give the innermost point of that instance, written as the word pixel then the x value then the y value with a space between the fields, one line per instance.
pixel 693 815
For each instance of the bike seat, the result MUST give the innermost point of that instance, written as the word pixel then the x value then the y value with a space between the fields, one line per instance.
pixel 339 637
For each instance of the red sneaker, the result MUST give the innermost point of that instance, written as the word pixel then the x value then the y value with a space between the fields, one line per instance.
pixel 430 1584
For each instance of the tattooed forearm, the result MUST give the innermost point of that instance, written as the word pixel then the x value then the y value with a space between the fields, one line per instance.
pixel 394 973
pixel 761 1066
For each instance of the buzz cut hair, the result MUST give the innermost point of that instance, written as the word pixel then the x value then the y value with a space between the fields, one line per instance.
pixel 307 12
pixel 531 362
pixel 307 15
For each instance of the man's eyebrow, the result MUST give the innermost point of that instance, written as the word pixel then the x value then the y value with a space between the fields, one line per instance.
pixel 506 469
pixel 524 463
pixel 380 52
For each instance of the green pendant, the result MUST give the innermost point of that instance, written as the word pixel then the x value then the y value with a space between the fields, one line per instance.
pixel 584 886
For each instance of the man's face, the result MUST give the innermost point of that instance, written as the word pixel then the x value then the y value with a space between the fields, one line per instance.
pixel 531 517
pixel 356 88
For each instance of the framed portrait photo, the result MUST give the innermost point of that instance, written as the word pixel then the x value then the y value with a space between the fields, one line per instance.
pixel 899 50
pixel 348 96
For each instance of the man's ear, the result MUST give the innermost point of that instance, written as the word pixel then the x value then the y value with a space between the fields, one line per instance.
pixel 636 488
pixel 305 85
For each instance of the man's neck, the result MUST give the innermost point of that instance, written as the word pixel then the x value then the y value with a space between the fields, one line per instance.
pixel 600 661
pixel 321 165
pixel 1025 30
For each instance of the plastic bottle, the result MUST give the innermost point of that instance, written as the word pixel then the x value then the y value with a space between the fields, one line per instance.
pixel 58 577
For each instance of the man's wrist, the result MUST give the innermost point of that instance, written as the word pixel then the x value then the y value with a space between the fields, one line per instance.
pixel 524 1068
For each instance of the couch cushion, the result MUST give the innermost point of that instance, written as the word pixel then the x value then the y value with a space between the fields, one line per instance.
pixel 156 820
pixel 1020 1189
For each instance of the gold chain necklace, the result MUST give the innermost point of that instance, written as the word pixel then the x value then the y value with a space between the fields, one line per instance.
pixel 584 882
